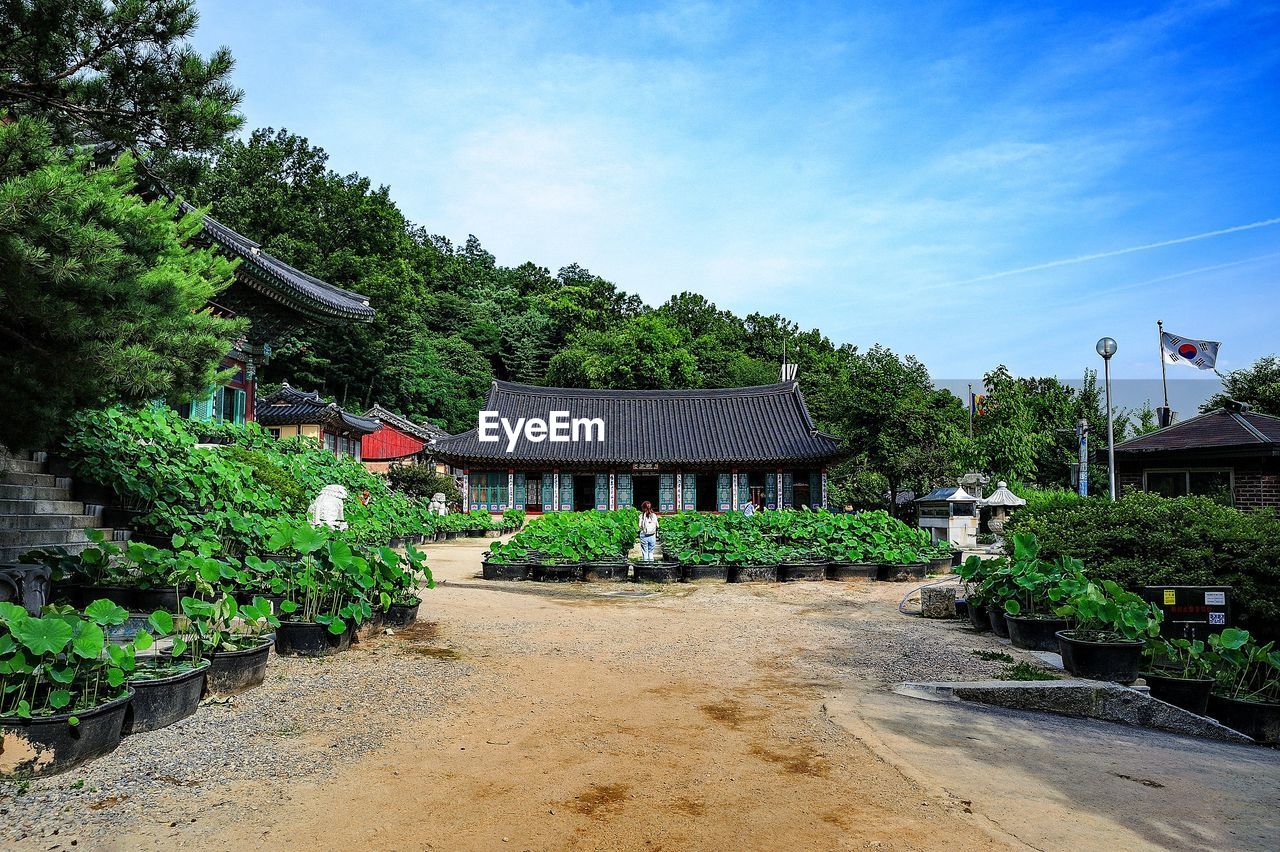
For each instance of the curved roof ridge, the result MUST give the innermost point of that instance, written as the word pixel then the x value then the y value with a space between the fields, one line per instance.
pixel 641 393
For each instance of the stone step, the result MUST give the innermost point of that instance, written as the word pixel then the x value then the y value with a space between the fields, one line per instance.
pixel 20 465
pixel 19 506
pixel 11 553
pixel 33 492
pixel 47 522
pixel 44 480
pixel 42 538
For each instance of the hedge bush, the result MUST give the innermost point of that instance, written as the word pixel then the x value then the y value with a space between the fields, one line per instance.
pixel 1144 539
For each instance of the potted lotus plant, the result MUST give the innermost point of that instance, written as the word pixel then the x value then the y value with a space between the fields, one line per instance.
pixel 167 687
pixel 1247 694
pixel 1032 588
pixel 63 688
pixel 235 638
pixel 1180 671
pixel 1111 629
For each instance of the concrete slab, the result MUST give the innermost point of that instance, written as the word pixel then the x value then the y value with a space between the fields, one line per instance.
pixel 1083 699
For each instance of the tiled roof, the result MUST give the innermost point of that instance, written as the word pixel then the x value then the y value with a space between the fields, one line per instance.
pixel 751 425
pixel 1219 429
pixel 953 493
pixel 422 431
pixel 282 282
pixel 289 407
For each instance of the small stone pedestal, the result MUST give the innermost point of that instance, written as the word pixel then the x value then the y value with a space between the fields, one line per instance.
pixel 938 602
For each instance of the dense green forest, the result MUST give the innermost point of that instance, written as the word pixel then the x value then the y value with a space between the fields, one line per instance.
pixel 91 76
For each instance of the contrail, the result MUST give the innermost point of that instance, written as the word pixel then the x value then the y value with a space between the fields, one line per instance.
pixel 1087 257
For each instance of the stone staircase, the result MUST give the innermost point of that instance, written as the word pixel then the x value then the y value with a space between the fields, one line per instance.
pixel 37 510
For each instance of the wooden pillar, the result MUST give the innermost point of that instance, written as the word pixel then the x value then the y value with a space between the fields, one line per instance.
pixel 779 488
pixel 733 492
pixel 466 490
pixel 823 504
pixel 613 490
pixel 511 489
pixel 555 491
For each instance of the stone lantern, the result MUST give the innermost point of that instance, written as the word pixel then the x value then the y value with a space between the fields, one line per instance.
pixel 1001 503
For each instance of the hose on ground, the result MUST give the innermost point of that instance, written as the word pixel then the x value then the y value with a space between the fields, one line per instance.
pixel 902 603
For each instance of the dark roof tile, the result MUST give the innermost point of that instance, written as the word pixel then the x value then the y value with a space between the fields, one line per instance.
pixel 751 425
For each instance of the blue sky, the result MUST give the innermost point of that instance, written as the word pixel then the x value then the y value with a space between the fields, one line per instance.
pixel 868 169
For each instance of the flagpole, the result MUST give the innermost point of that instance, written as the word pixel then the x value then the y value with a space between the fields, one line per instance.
pixel 1164 377
pixel 971 410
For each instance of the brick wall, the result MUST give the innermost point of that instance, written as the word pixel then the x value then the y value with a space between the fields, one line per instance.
pixel 1257 490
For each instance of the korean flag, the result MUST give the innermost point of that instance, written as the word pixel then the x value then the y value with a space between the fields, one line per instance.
pixel 1201 354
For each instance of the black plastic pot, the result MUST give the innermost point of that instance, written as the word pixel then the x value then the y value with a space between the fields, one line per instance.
pixel 475 533
pixel 309 639
pixel 1189 693
pixel 166 598
pixel 47 745
pixel 80 596
pixel 563 572
pixel 940 565
pixel 155 539
pixel 656 572
pixel 699 573
pixel 995 618
pixel 232 672
pixel 978 616
pixel 1035 634
pixel 609 572
pixel 120 519
pixel 94 493
pixel 1116 661
pixel 1256 719
pixel 371 626
pixel 506 571
pixel 907 572
pixel 753 574
pixel 161 702
pixel 852 570
pixel 789 571
pixel 401 615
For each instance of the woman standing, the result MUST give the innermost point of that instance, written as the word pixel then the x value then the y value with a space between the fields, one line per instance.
pixel 648 530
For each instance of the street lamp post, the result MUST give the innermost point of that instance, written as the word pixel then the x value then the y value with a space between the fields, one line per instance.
pixel 1106 347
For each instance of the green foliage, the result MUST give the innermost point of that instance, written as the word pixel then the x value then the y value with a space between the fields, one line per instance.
pixel 421 481
pixel 1144 539
pixel 1257 385
pixel 643 352
pixel 55 663
pixel 122 72
pixel 101 298
pixel 1105 612
pixel 567 537
pixel 231 493
pixel 901 428
pixel 1024 585
pixel 1246 669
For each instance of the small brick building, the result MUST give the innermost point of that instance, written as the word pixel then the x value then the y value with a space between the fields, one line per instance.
pixel 1229 451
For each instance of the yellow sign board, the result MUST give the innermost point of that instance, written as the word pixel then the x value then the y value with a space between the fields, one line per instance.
pixel 1170 597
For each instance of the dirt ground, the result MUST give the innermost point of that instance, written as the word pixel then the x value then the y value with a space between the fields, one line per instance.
pixel 678 717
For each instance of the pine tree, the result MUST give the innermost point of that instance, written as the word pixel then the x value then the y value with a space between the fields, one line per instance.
pixel 101 298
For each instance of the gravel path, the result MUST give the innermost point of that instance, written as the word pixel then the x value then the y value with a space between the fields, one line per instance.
pixel 310 719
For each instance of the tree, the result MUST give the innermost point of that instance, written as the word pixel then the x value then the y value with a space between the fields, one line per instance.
pixel 120 72
pixel 897 424
pixel 101 300
pixel 1257 385
pixel 645 352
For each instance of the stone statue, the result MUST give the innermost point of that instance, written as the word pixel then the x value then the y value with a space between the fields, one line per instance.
pixel 437 506
pixel 25 585
pixel 327 509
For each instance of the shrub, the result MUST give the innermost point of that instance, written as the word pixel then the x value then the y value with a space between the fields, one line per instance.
pixel 1143 539
pixel 420 482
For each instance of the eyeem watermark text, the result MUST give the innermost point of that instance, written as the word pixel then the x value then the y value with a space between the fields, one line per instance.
pixel 560 428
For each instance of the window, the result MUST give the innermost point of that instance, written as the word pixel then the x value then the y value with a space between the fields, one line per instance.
pixel 489 490
pixel 275 433
pixel 331 442
pixel 1206 482
pixel 229 407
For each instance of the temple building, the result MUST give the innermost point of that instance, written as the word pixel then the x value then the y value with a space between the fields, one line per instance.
pixel 288 413
pixel 704 450
pixel 397 440
pixel 275 298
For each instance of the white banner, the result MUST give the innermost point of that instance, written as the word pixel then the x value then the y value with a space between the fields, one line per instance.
pixel 1201 354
